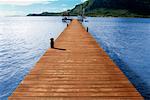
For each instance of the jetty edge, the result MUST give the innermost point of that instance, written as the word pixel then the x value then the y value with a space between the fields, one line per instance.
pixel 77 68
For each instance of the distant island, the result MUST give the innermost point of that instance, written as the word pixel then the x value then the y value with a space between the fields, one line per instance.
pixel 108 8
pixel 46 14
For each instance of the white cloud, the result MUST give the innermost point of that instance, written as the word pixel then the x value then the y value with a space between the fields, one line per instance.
pixel 25 2
pixel 83 0
pixel 63 5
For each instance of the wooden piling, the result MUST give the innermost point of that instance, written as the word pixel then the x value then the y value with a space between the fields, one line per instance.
pixel 87 29
pixel 52 42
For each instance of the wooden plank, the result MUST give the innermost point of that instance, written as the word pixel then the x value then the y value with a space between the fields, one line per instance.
pixel 75 98
pixel 77 69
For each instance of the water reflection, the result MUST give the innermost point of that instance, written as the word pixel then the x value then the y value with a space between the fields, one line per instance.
pixel 23 40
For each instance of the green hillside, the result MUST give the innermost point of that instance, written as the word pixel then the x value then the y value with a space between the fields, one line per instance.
pixel 116 8
pixel 107 8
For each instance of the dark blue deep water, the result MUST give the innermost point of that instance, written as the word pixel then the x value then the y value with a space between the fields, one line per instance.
pixel 127 41
pixel 23 40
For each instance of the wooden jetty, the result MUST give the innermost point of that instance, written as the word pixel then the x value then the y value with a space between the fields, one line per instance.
pixel 77 69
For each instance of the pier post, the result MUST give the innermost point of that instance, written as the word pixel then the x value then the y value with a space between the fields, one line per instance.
pixel 52 42
pixel 87 29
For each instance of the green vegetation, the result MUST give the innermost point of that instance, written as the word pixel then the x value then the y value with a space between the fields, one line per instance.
pixel 45 14
pixel 112 13
pixel 115 8
pixel 107 8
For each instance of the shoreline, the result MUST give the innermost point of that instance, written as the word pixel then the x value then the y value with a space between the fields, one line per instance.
pixel 99 16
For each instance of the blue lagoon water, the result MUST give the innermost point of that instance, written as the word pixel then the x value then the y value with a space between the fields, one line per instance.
pixel 127 41
pixel 23 40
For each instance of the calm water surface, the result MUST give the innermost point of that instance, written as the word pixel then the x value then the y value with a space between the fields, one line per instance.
pixel 127 41
pixel 23 40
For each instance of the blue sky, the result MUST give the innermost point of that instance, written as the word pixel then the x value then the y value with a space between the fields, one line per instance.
pixel 24 7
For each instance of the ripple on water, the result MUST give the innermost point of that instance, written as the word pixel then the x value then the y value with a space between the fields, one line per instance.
pixel 21 47
pixel 127 41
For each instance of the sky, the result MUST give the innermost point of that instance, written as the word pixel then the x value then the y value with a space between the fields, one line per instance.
pixel 24 7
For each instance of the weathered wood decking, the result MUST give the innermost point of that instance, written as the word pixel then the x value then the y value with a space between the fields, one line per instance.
pixel 78 69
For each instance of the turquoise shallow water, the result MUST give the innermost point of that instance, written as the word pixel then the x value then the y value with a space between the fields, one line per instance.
pixel 127 41
pixel 23 40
